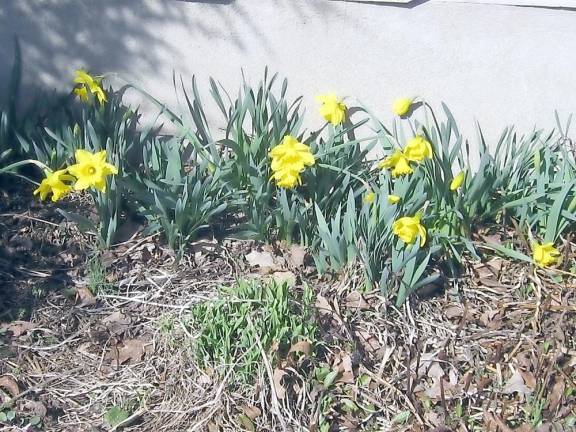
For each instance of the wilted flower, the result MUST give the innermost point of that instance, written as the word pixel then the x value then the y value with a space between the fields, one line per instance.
pixel 88 83
pixel 418 149
pixel 457 181
pixel 401 106
pixel 54 184
pixel 289 159
pixel 545 254
pixel 332 108
pixel 409 228
pixel 398 163
pixel 393 199
pixel 91 170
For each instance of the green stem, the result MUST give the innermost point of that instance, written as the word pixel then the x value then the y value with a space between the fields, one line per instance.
pixel 345 171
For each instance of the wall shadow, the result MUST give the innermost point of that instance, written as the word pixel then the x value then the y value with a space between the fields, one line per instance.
pixel 58 36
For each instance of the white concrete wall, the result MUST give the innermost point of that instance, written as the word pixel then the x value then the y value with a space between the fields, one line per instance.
pixel 498 64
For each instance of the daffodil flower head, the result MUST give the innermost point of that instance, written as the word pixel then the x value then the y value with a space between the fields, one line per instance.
pixel 545 254
pixel 457 181
pixel 332 109
pixel 91 170
pixel 401 106
pixel 409 228
pixel 369 197
pixel 289 159
pixel 54 183
pixel 85 84
pixel 398 163
pixel 418 149
pixel 393 199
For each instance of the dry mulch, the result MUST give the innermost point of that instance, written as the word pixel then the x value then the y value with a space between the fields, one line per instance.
pixel 494 351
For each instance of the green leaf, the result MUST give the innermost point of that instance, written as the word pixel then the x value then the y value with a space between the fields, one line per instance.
pixel 116 415
pixel 84 224
pixel 330 378
pixel 402 417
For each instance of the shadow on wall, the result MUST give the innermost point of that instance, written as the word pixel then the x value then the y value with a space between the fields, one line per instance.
pixel 58 36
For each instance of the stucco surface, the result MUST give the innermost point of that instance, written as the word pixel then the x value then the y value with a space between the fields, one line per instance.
pixel 496 64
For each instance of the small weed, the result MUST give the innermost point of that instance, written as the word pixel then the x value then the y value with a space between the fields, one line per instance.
pixel 96 276
pixel 248 311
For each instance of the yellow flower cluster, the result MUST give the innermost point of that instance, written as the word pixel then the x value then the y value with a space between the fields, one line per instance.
pixel 86 83
pixel 289 159
pixel 417 149
pixel 90 170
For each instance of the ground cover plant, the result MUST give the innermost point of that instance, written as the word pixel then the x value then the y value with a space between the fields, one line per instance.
pixel 263 276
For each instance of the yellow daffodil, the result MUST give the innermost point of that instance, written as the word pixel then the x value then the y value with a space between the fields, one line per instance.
pixel 418 149
pixel 88 83
pixel 393 199
pixel 91 170
pixel 401 106
pixel 287 179
pixel 82 93
pixel 289 159
pixel 370 197
pixel 408 229
pixel 54 184
pixel 332 108
pixel 545 254
pixel 457 181
pixel 398 163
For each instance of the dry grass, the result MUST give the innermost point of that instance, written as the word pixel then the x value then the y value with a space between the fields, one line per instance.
pixel 494 351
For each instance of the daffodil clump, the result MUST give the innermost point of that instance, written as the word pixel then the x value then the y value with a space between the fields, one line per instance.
pixel 289 159
pixel 90 170
pixel 416 150
pixel 87 85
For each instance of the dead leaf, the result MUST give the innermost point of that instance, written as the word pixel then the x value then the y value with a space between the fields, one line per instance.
pixel 132 351
pixel 454 311
pixel 356 301
pixel 297 256
pixel 284 277
pixel 278 386
pixel 35 408
pixel 264 260
pixel 84 297
pixel 18 328
pixel 344 368
pixel 251 411
pixel 516 385
pixel 213 427
pixel 555 395
pixel 303 347
pixel 10 384
pixel 322 305
pixel 369 342
pixel 491 319
pixel 529 379
pixel 435 371
pixel 117 323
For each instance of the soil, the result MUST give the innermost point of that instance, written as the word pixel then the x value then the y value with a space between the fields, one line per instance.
pixel 492 351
